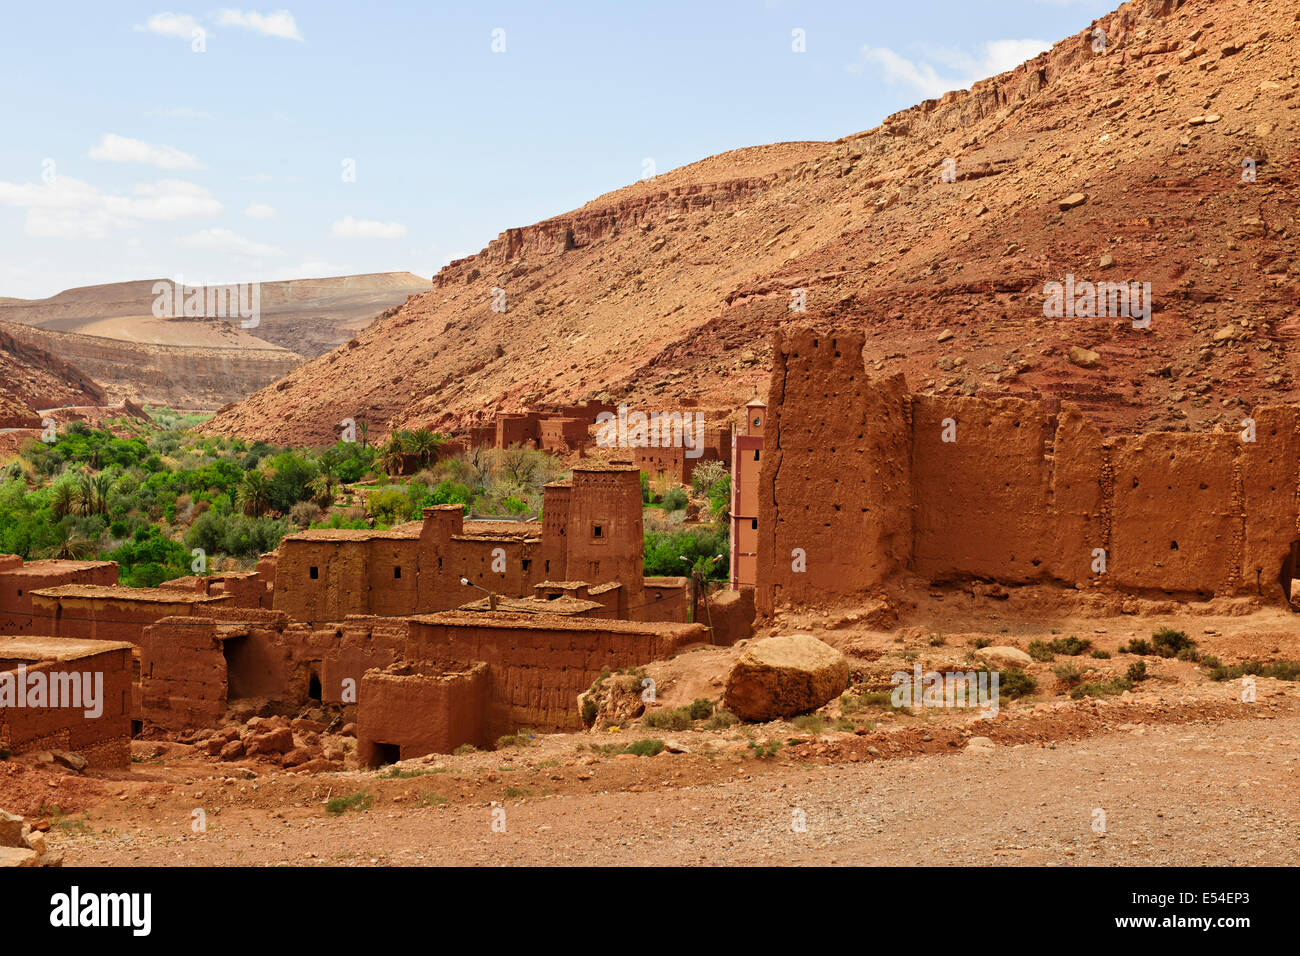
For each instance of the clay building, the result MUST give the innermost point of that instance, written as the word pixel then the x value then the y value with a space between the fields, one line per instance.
pixel 559 429
pixel 864 480
pixel 18 579
pixel 746 464
pixel 676 463
pixel 110 613
pixel 499 671
pixel 85 707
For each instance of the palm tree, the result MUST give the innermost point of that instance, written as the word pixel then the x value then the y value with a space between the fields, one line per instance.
pixel 364 427
pixel 63 500
pixel 103 485
pixel 85 494
pixel 392 457
pixel 425 445
pixel 324 484
pixel 253 496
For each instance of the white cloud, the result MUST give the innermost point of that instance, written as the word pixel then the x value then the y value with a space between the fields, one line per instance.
pixel 350 228
pixel 69 208
pixel 259 210
pixel 180 25
pixel 962 68
pixel 223 240
pixel 279 23
pixel 119 149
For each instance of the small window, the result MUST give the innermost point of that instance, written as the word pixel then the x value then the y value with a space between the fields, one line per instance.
pixel 753 523
pixel 597 531
pixel 527 563
pixel 315 572
pixel 397 574
pixel 756 452
pixel 758 422
pixel 20 592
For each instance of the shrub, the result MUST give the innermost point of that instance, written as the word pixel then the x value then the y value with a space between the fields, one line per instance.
pixel 1068 674
pixel 1137 671
pixel 675 499
pixel 361 800
pixel 766 750
pixel 1040 651
pixel 1169 642
pixel 1137 645
pixel 645 748
pixel 1101 655
pixel 1014 682
pixel 1278 670
pixel 304 513
pixel 721 720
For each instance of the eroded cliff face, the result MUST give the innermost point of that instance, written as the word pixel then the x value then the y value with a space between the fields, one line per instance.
pixel 182 377
pixel 32 378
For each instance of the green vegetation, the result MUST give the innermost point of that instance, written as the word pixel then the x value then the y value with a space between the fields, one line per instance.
pixel 1047 650
pixel 1279 670
pixel 1166 642
pixel 648 747
pixel 520 738
pixel 679 718
pixel 361 800
pixel 1014 682
pixel 764 751
pixel 700 545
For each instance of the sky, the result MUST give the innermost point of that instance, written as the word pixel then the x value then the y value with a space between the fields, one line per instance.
pixel 224 144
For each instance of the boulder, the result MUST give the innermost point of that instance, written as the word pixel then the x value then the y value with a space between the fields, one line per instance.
pixel 72 761
pixel 783 676
pixel 1084 358
pixel 1003 656
pixel 11 829
pixel 233 750
pixel 278 741
pixel 17 856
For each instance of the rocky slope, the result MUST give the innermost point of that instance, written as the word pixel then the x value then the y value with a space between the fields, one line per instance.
pixel 32 378
pixel 669 289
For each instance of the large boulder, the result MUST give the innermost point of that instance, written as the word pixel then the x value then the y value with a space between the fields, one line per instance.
pixel 1003 656
pixel 783 676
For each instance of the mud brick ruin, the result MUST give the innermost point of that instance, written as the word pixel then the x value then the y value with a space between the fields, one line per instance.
pixel 869 481
pixel 104 739
pixel 376 620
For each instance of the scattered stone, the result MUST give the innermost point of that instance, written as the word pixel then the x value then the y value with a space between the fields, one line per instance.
pixel 1084 358
pixel 784 676
pixel 1072 200
pixel 1107 261
pixel 1003 656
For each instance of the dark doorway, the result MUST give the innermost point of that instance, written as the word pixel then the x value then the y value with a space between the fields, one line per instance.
pixel 384 754
pixel 313 683
pixel 1290 565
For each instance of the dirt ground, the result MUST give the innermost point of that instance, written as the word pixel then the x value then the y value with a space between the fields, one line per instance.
pixel 1179 770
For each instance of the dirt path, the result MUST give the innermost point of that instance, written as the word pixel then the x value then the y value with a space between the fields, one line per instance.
pixel 1191 794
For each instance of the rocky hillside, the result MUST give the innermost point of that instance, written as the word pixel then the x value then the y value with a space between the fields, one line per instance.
pixel 1115 163
pixel 32 378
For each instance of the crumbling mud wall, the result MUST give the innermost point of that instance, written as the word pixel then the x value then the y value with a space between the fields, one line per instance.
pixel 538 665
pixel 18 580
pixel 834 489
pixel 412 708
pixel 103 734
pixel 869 480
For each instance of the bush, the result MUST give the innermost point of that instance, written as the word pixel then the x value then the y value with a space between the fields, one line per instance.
pixel 1068 674
pixel 1014 682
pixel 675 499
pixel 1137 671
pixel 304 513
pixel 645 748
pixel 361 800
pixel 1170 643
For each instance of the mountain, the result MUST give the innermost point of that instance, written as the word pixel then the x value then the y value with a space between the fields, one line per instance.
pixel 1119 162
pixel 305 316
pixel 32 378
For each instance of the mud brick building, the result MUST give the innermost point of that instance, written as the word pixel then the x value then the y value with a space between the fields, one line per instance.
pixel 18 579
pixel 867 481
pixel 111 613
pixel 443 679
pixel 674 462
pixel 103 737
pixel 746 465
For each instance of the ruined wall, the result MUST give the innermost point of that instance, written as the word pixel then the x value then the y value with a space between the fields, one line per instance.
pixel 1003 490
pixel 730 614
pixel 564 434
pixel 835 481
pixel 538 665
pixel 420 708
pixel 105 740
pixel 117 617
pixel 18 580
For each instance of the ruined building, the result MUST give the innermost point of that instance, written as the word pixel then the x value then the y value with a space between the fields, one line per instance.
pixel 746 464
pixel 864 480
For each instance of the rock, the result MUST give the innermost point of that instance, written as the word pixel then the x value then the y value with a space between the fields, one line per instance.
pixel 278 741
pixel 980 744
pixel 1225 334
pixel 232 750
pixel 318 765
pixel 349 730
pixel 1072 200
pixel 297 757
pixel 1084 358
pixel 783 676
pixel 17 856
pixel 36 842
pixel 945 335
pixel 1107 261
pixel 1003 656
pixel 70 760
pixel 675 747
pixel 11 829
pixel 303 726
pixel 1203 120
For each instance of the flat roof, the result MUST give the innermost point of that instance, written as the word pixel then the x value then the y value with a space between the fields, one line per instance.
pixel 533 605
pixel 120 592
pixel 664 582
pixel 554 622
pixel 32 647
pixel 41 569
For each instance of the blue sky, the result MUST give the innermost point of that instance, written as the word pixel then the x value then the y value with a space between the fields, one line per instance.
pixel 136 147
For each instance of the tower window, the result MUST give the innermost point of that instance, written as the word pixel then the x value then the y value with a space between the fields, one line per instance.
pixel 397 574
pixel 597 531
pixel 755 454
pixel 315 572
